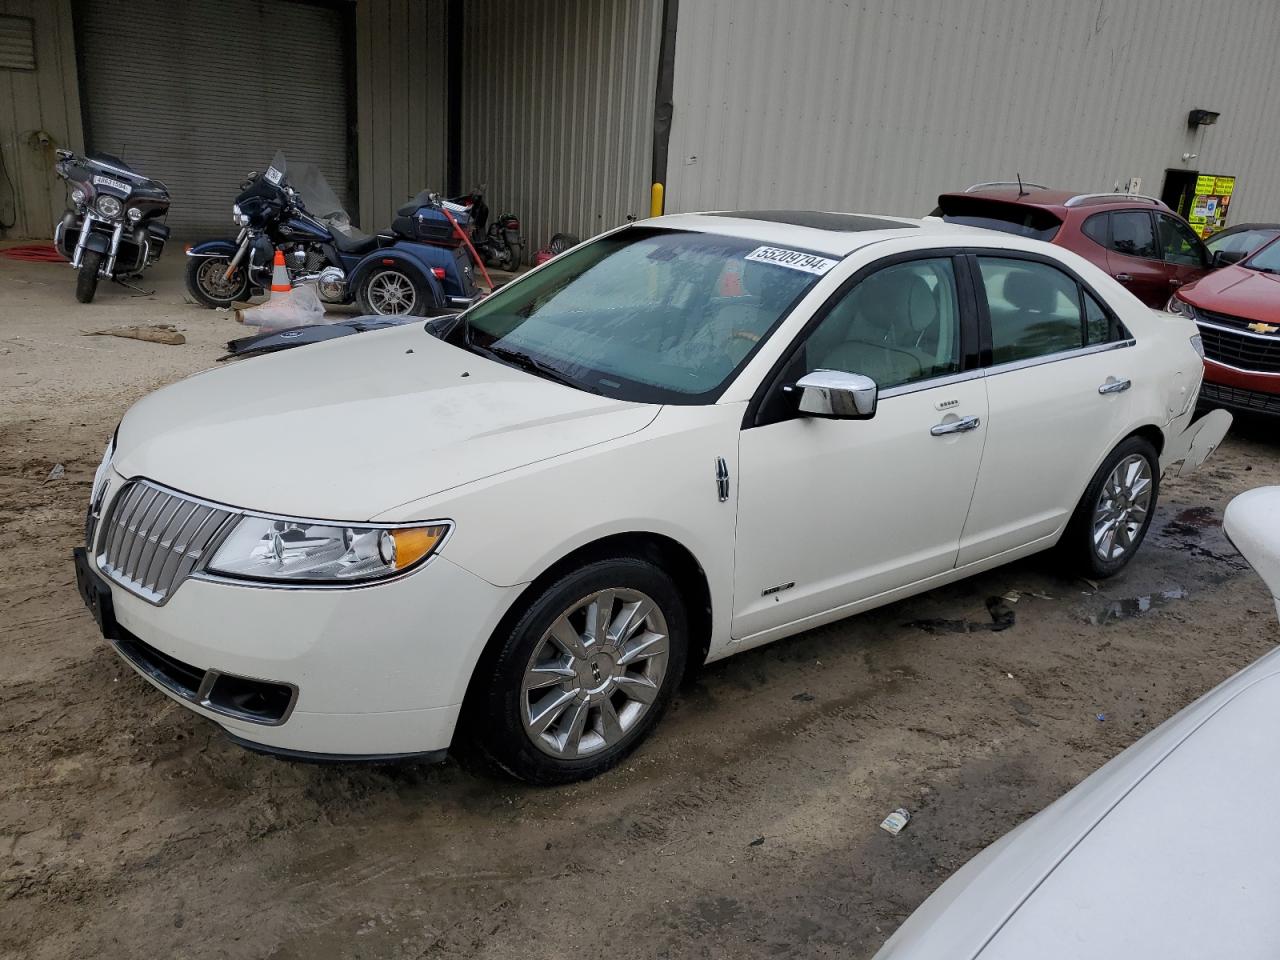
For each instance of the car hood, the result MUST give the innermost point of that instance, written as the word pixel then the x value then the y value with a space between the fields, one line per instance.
pixel 348 429
pixel 1179 828
pixel 1237 291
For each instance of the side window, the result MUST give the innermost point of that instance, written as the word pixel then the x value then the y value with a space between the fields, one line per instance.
pixel 1131 234
pixel 1179 242
pixel 899 325
pixel 1097 324
pixel 1095 228
pixel 1034 309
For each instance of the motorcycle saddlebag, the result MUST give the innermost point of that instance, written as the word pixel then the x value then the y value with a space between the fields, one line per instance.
pixel 427 224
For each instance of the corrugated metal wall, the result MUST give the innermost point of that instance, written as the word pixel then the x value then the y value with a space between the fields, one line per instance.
pixel 41 101
pixel 880 105
pixel 558 110
pixel 401 74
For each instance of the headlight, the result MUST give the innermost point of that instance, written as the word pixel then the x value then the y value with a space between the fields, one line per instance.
pixel 238 216
pixel 109 206
pixel 263 548
pixel 1197 344
pixel 78 196
pixel 100 475
pixel 1181 307
pixel 134 214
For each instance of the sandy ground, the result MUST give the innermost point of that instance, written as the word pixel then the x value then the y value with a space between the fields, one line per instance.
pixel 746 828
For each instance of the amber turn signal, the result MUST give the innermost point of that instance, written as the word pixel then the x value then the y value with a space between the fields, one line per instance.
pixel 403 548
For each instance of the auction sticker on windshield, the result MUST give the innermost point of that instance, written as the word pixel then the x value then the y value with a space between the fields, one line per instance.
pixel 791 259
pixel 273 175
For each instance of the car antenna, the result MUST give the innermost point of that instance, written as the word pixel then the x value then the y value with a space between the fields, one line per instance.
pixel 1021 191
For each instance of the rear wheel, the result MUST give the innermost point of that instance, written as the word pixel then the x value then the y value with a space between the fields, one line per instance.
pixel 207 282
pixel 561 242
pixel 515 254
pixel 87 279
pixel 389 292
pixel 583 675
pixel 1115 512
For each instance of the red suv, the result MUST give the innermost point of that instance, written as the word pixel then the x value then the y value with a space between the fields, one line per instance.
pixel 1136 239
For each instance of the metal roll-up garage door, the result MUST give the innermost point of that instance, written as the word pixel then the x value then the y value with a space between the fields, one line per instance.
pixel 198 93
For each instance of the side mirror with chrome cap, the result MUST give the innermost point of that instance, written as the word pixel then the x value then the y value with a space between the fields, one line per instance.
pixel 838 395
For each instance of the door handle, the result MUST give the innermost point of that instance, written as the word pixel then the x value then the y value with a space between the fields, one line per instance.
pixel 963 425
pixel 1114 386
pixel 1124 277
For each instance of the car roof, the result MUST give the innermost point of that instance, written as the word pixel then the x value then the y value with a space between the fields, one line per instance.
pixel 831 233
pixel 1057 200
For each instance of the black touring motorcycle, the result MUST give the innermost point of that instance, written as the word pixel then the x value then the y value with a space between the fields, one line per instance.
pixel 112 225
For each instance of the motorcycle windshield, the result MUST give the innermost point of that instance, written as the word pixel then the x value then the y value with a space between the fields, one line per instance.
pixel 318 197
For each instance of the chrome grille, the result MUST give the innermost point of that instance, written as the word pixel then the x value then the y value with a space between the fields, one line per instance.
pixel 153 538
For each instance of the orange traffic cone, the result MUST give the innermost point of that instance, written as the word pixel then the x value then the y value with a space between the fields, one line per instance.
pixel 280 276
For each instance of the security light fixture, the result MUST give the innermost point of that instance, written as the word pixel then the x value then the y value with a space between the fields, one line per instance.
pixel 1202 118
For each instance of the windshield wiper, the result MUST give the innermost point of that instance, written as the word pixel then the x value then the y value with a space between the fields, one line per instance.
pixel 527 363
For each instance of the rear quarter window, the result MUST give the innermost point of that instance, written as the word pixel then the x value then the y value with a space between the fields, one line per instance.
pixel 1016 218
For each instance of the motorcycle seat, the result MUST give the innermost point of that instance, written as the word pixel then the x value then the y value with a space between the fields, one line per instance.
pixel 358 246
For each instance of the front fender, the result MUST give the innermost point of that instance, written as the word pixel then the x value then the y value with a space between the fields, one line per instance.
pixel 99 242
pixel 213 248
pixel 407 260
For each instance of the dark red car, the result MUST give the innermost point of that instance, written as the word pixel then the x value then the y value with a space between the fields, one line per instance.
pixel 1238 311
pixel 1136 239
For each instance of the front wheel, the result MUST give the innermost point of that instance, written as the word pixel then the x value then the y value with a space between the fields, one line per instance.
pixel 583 675
pixel 389 292
pixel 208 283
pixel 1113 516
pixel 87 279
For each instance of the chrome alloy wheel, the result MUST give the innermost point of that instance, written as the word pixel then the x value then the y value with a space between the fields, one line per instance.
pixel 212 278
pixel 594 674
pixel 391 293
pixel 1122 508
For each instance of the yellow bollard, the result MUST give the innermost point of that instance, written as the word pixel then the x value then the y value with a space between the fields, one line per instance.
pixel 655 200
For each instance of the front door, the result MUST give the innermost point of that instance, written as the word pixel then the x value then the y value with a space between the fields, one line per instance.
pixel 1185 255
pixel 1058 392
pixel 832 512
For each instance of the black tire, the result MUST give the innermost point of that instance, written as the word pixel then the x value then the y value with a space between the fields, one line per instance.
pixel 1078 543
pixel 560 242
pixel 87 278
pixel 493 721
pixel 515 255
pixel 371 299
pixel 224 294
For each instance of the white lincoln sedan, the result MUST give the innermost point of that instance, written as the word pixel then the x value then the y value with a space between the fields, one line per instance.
pixel 516 528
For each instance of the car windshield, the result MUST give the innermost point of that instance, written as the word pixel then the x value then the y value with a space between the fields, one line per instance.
pixel 645 314
pixel 1242 241
pixel 1267 259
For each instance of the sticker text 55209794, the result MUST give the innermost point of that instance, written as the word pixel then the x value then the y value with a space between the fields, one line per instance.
pixel 792 259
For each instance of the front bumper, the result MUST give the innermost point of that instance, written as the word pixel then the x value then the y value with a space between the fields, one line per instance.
pixel 372 673
pixel 1244 390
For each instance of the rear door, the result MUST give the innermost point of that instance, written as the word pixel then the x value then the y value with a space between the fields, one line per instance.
pixel 1057 395
pixel 1134 257
pixel 1185 254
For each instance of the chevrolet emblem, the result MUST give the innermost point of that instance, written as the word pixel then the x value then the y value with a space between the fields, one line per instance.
pixel 1263 327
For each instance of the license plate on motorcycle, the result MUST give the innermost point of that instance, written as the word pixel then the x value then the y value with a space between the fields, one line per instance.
pixel 100 181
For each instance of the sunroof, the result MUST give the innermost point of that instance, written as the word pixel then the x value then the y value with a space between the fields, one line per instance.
pixel 840 222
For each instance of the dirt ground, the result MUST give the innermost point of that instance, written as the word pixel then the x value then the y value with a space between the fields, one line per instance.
pixel 746 828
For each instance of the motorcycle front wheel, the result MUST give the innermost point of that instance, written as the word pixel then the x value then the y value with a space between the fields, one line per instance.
pixel 87 280
pixel 208 284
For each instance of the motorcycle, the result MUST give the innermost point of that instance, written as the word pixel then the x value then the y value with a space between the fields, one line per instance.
pixel 292 209
pixel 112 225
pixel 498 243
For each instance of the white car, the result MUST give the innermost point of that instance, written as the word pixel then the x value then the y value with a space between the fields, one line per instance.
pixel 684 439
pixel 1168 851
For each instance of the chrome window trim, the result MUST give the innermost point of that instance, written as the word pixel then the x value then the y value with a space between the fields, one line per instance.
pixel 916 386
pixel 199 572
pixel 1011 366
pixel 1269 337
